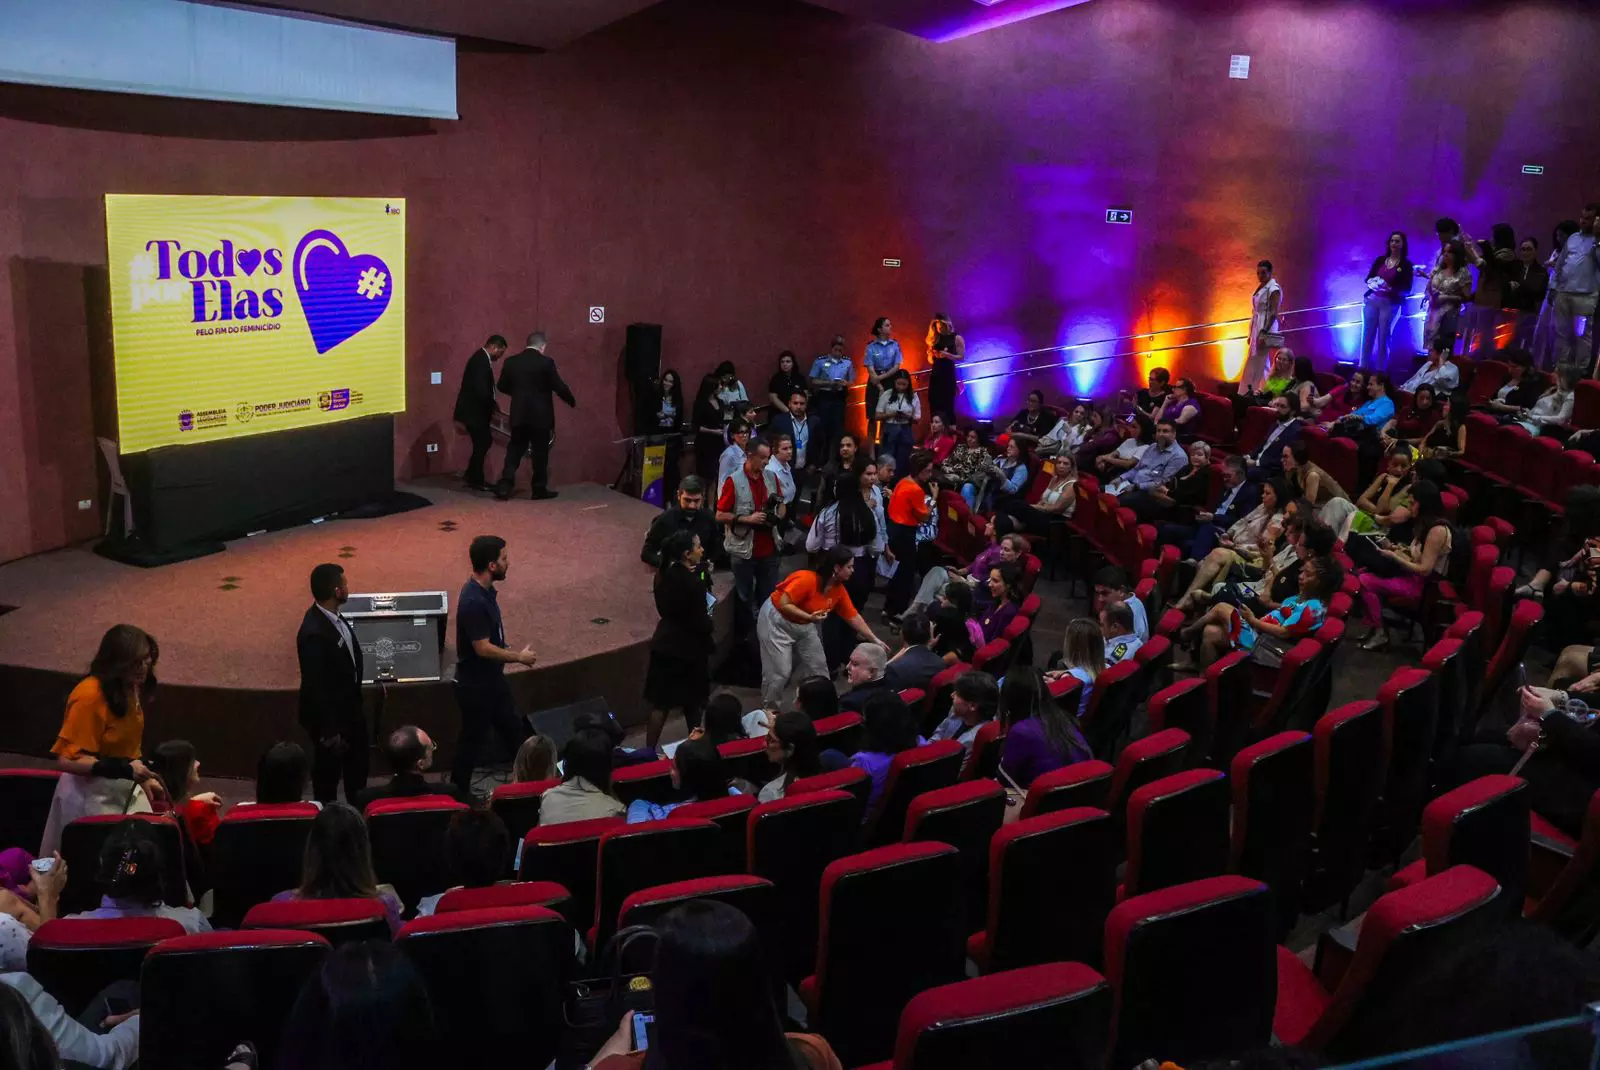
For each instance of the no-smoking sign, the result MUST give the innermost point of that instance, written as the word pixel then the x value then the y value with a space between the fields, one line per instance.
pixel 597 313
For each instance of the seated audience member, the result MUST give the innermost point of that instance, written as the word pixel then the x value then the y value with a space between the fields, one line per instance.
pixel 1303 478
pixel 1103 434
pixel 1056 502
pixel 1340 401
pixel 198 813
pixel 1448 433
pixel 791 746
pixel 1083 657
pixel 975 699
pixel 713 1002
pixel 1041 736
pixel 365 1006
pixel 132 864
pixel 27 900
pixel 1005 595
pixel 1150 398
pixel 338 864
pixel 1239 497
pixel 1362 425
pixel 1403 571
pixel 1385 507
pixel 409 752
pixel 915 664
pixel 1554 407
pixel 476 848
pixel 1413 422
pixel 1245 549
pixel 1002 478
pixel 1520 390
pixel 585 789
pixel 1440 371
pixel 607 725
pixel 1305 538
pixel 1175 503
pixel 724 720
pixel 281 774
pixel 535 760
pixel 888 727
pixel 1161 462
pixel 956 634
pixel 1111 585
pixel 1006 550
pixel 1069 433
pixel 688 513
pixel 817 698
pixel 38 1034
pixel 1561 771
pixel 1181 409
pixel 963 462
pixel 1034 419
pixel 1267 461
pixel 864 673
pixel 941 438
pixel 698 773
pixel 1268 638
pixel 1116 624
pixel 1568 576
pixel 1134 436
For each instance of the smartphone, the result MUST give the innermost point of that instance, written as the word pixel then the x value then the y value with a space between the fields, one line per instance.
pixel 43 865
pixel 1522 675
pixel 643 1025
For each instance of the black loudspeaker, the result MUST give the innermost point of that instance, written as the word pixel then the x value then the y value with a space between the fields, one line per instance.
pixel 641 356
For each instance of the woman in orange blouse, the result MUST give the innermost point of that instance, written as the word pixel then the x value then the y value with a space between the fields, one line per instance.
pixel 788 624
pixel 908 510
pixel 102 736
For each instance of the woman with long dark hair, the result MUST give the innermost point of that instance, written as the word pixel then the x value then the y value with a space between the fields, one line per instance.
pixel 785 382
pixel 661 412
pixel 1410 566
pixel 337 863
pixel 366 1006
pixel 856 521
pixel 1042 735
pixel 792 746
pixel 698 774
pixel 787 625
pixel 899 411
pixel 1388 282
pixel 133 868
pixel 888 727
pixel 101 740
pixel 714 1007
pixel 679 674
pixel 1449 288
pixel 709 431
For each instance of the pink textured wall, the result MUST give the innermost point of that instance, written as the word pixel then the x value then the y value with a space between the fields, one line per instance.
pixel 738 170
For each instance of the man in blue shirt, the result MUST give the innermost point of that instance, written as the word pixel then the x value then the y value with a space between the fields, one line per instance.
pixel 830 378
pixel 881 360
pixel 1577 288
pixel 1158 464
pixel 481 657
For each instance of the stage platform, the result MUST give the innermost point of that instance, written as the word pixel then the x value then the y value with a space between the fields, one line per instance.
pixel 576 591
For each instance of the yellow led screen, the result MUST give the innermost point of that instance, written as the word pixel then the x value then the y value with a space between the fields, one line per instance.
pixel 240 315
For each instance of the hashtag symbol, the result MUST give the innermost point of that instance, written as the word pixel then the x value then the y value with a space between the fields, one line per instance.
pixel 372 283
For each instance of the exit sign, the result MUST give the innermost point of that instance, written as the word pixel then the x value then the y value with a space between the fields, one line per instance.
pixel 1532 169
pixel 1119 215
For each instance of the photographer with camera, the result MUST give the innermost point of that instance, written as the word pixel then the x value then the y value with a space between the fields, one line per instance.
pixel 750 505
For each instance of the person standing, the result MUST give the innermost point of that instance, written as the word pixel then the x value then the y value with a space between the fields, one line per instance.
pixel 476 408
pixel 747 504
pixel 1577 288
pixel 679 674
pixel 805 431
pixel 1449 290
pixel 482 693
pixel 1526 283
pixel 1266 328
pixel 531 380
pixel 881 360
pixel 908 509
pixel 946 349
pixel 830 379
pixel 102 736
pixel 899 411
pixel 1388 282
pixel 331 709
pixel 787 627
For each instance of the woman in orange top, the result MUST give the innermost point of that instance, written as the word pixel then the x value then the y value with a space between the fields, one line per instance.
pixel 787 626
pixel 908 510
pixel 102 736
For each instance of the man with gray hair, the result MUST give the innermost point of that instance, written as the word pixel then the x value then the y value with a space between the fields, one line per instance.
pixel 863 676
pixel 532 382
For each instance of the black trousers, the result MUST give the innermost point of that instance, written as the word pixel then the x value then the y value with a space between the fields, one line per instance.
pixel 481 441
pixel 903 584
pixel 486 709
pixel 527 440
pixel 349 763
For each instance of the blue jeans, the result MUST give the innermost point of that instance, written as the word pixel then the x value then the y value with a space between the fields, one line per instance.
pixel 897 442
pixel 1378 317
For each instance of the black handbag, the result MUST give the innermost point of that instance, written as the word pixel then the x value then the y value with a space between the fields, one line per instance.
pixel 594 1007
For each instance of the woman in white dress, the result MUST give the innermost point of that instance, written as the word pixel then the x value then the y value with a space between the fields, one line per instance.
pixel 1265 326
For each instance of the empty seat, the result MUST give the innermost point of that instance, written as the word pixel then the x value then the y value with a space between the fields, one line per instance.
pixel 790 842
pixel 518 805
pixel 984 758
pixel 1401 933
pixel 1079 784
pixel 25 796
pixel 1144 760
pixel 256 854
pixel 1110 713
pixel 1228 693
pixel 1050 1015
pixel 1287 704
pixel 641 856
pixel 203 993
pixel 651 781
pixel 841 732
pixel 1177 831
pixel 1193 971
pixel 567 854
pixel 496 979
pixel 1447 661
pixel 1349 767
pixel 408 844
pixel 1483 824
pixel 339 921
pixel 74 958
pixel 81 842
pixel 1410 700
pixel 1274 798
pixel 1571 904
pixel 1052 881
pixel 966 816
pixel 1186 707
pixel 890 929
pixel 936 765
pixel 1525 616
pixel 509 894
pixel 731 814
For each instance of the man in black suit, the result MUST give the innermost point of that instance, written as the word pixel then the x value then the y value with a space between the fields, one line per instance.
pixel 1268 460
pixel 475 406
pixel 409 752
pixel 810 448
pixel 530 378
pixel 330 690
pixel 1240 496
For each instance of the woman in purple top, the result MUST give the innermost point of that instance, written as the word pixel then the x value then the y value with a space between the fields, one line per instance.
pixel 888 727
pixel 1003 583
pixel 1041 736
pixel 1182 410
pixel 338 864
pixel 1388 283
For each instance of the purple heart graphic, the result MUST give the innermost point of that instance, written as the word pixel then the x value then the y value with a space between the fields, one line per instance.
pixel 248 260
pixel 341 295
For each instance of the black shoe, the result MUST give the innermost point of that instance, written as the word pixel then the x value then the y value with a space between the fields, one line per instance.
pixel 502 494
pixel 544 495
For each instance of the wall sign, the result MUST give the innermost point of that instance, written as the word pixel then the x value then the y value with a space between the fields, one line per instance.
pixel 1119 215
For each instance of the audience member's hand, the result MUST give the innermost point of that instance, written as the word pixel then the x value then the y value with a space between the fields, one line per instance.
pixel 1523 734
pixel 698 733
pixel 1535 702
pixel 209 798
pixel 48 885
pixel 1588 683
pixel 621 1042
pixel 148 781
pixel 117 1019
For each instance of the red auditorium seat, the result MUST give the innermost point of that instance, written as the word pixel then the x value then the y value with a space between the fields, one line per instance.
pixel 1410 701
pixel 201 994
pixel 913 697
pixel 1446 660
pixel 1030 606
pixel 339 921
pixel 1525 616
pixel 25 796
pixel 518 805
pixel 755 897
pixel 1274 798
pixel 940 690
pixel 1571 903
pixel 850 780
pixel 890 929
pixel 731 814
pixel 1350 769
pixel 984 758
pixel 1400 933
pixel 567 854
pixel 1177 831
pixel 1468 630
pixel 1286 706
pixel 1491 376
pixel 1158 755
pixel 1341 461
pixel 256 854
pixel 1483 823
pixel 1155 663
pixel 81 842
pixel 1586 404
pixel 936 765
pixel 508 894
pixel 841 732
pixel 1228 698
pixel 791 841
pixel 1017 633
pixel 1110 714
pixel 647 780
pixel 408 843
pixel 75 958
pixel 1048 1015
pixel 747 759
pixel 1080 784
pixel 1216 419
pixel 1257 424
pixel 1184 706
pixel 640 856
pixel 1040 910
pixel 496 979
pixel 1193 972
pixel 992 657
pixel 966 817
